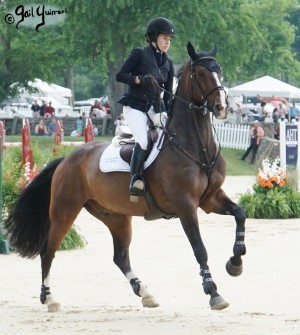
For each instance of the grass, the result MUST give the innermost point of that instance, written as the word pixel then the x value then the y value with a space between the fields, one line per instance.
pixel 235 167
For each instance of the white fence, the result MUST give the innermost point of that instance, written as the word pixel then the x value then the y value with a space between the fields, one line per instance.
pixel 235 136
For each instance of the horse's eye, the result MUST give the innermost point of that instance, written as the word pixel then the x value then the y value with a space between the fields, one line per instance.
pixel 201 73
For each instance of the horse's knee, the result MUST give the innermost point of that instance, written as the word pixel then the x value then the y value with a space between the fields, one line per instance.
pixel 239 214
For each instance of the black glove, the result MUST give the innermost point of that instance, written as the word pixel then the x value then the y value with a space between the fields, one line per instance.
pixel 147 80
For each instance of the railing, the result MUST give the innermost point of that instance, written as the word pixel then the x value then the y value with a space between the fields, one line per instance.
pixel 235 136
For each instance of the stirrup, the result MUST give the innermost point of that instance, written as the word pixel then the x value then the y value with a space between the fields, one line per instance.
pixel 137 189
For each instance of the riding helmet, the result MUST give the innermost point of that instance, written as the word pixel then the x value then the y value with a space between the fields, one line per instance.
pixel 159 25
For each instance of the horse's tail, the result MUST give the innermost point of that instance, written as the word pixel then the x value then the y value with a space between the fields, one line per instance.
pixel 28 222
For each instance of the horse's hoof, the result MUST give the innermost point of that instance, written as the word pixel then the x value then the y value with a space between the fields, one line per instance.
pixel 149 301
pixel 218 303
pixel 134 198
pixel 53 307
pixel 234 270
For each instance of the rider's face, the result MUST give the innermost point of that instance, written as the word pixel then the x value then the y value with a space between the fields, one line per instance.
pixel 163 42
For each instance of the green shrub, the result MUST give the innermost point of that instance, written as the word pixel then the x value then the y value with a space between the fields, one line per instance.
pixel 13 172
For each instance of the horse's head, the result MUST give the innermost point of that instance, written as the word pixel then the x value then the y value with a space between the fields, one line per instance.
pixel 206 87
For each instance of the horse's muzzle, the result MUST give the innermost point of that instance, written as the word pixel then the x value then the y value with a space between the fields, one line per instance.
pixel 220 112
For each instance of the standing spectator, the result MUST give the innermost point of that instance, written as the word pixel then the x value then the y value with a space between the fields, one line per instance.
pixel 35 108
pixel 275 115
pixel 239 112
pixel 281 111
pixel 294 111
pixel 79 125
pixel 256 134
pixel 52 127
pixel 43 109
pixel 262 110
pixel 49 110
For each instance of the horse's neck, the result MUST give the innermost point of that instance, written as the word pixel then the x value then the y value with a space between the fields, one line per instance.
pixel 193 129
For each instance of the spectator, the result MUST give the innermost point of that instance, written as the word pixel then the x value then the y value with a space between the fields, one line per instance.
pixel 107 108
pixel 294 111
pixel 79 125
pixel 256 134
pixel 40 129
pixel 120 121
pixel 43 109
pixel 52 127
pixel 97 110
pixel 239 112
pixel 35 108
pixel 75 133
pixel 49 110
pixel 95 130
pixel 275 115
pixel 281 111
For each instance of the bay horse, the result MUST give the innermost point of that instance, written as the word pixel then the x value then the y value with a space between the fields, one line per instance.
pixel 188 173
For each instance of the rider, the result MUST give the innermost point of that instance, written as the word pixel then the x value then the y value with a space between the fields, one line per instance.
pixel 137 108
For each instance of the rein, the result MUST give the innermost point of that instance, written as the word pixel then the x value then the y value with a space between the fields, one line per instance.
pixel 207 165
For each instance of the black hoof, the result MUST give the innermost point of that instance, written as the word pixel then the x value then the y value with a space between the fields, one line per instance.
pixel 234 270
pixel 218 303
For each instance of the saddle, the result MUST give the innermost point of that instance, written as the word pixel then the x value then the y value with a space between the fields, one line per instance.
pixel 127 147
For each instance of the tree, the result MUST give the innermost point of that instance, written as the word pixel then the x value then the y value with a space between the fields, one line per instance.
pixel 254 38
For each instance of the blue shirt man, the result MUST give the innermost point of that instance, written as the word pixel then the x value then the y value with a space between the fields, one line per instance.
pixel 294 111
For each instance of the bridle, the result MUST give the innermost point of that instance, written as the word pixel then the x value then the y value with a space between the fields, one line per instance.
pixel 211 65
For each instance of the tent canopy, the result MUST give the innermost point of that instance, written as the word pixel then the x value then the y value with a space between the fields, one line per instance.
pixel 267 87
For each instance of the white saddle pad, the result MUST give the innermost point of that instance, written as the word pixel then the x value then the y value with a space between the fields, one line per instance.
pixel 111 160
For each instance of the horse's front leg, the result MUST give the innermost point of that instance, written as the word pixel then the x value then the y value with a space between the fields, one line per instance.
pixel 121 231
pixel 222 204
pixel 191 227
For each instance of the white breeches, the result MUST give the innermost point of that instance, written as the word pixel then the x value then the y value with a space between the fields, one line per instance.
pixel 138 123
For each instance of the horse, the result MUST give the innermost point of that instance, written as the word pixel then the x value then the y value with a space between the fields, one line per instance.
pixel 187 173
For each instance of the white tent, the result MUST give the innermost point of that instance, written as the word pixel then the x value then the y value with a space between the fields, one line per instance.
pixel 61 94
pixel 265 87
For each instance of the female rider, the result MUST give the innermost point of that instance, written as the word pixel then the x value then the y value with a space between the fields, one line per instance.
pixel 143 61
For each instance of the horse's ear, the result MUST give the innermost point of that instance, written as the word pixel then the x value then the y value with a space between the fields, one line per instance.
pixel 191 51
pixel 213 51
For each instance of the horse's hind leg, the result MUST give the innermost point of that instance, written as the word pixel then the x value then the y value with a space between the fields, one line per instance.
pixel 121 231
pixel 61 221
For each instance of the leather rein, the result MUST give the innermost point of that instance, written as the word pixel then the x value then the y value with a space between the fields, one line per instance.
pixel 207 165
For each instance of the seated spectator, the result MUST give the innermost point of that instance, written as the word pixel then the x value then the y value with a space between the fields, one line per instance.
pixel 52 127
pixel 40 129
pixel 119 122
pixel 107 108
pixel 95 130
pixel 49 110
pixel 97 110
pixel 75 133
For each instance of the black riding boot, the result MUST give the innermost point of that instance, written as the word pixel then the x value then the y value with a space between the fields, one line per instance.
pixel 137 183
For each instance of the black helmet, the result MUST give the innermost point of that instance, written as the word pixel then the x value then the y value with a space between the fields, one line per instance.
pixel 160 25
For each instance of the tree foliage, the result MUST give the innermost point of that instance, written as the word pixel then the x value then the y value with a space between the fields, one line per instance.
pixel 254 38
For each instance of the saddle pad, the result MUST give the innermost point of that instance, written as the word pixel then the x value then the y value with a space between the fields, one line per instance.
pixel 111 160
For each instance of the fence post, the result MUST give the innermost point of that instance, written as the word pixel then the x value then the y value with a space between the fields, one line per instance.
pixel 4 244
pixel 26 145
pixel 88 131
